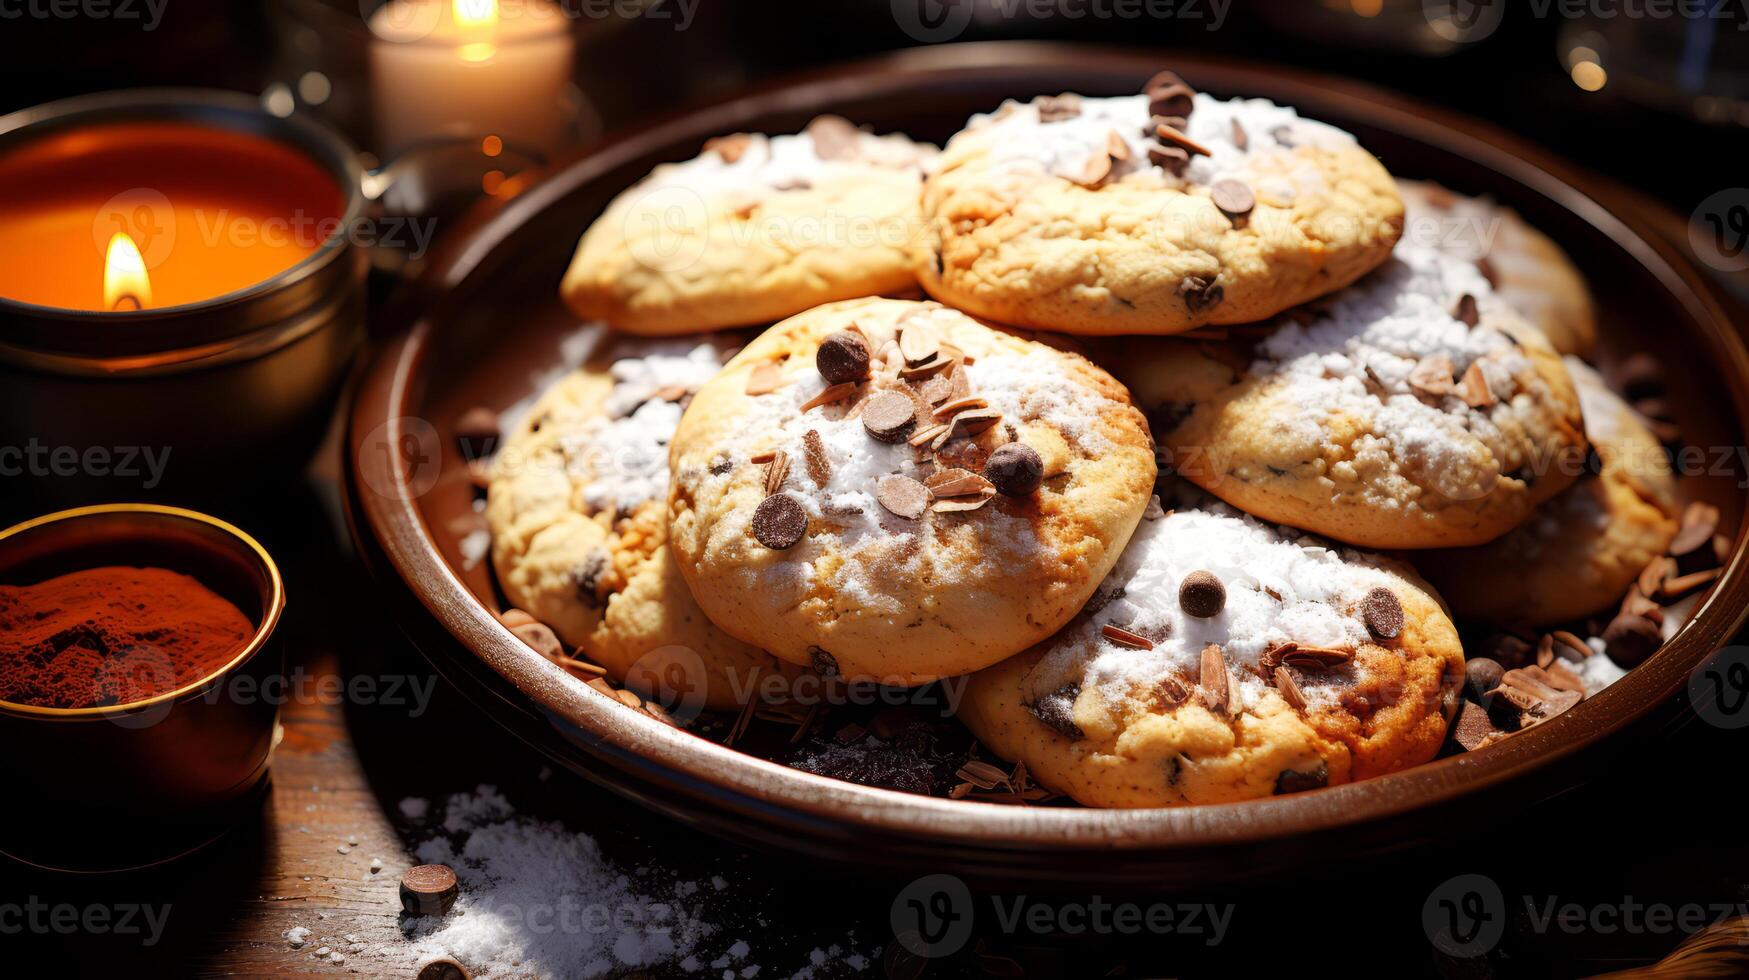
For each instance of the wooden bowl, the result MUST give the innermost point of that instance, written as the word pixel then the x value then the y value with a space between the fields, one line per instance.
pixel 485 323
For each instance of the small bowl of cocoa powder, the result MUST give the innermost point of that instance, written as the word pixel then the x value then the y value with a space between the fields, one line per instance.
pixel 136 667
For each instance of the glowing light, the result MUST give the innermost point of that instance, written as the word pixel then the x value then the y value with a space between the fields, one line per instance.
pixel 125 283
pixel 1589 75
pixel 491 146
pixel 1366 8
pixel 478 17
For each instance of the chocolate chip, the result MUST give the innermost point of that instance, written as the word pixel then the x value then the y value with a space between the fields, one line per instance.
pixel 1015 469
pixel 1291 781
pixel 1200 294
pixel 721 464
pixel 428 889
pixel 1233 198
pixel 1056 710
pixel 1175 99
pixel 889 416
pixel 779 521
pixel 1202 595
pixel 589 574
pixel 1467 311
pixel 1169 157
pixel 443 968
pixel 1482 675
pixel 1473 727
pixel 824 663
pixel 902 496
pixel 1382 613
pixel 842 357
pixel 477 432
pixel 1629 639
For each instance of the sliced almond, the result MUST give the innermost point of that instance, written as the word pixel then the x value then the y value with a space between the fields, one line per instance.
pixel 1433 375
pixel 926 368
pixel 1116 146
pixel 902 496
pixel 1316 657
pixel 765 378
pixel 730 148
pixel 1171 692
pixel 1095 170
pixel 1474 387
pixel 972 422
pixel 1123 637
pixel 919 342
pixel 949 409
pixel 948 475
pixel 927 434
pixel 830 394
pixel 760 459
pixel 954 504
pixel 1213 679
pixel 962 486
pixel 1289 688
pixel 1678 585
pixel 1651 581
pixel 1172 136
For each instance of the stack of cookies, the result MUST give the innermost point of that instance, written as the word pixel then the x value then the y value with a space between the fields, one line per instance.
pixel 1201 402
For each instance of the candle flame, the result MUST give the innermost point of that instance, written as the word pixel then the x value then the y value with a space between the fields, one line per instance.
pixel 125 283
pixel 479 17
pixel 470 14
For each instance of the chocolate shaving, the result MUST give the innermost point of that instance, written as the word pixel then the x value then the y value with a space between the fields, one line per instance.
pixel 814 456
pixel 1123 637
pixel 834 138
pixel 829 395
pixel 776 472
pixel 1056 710
pixel 1172 136
pixel 1171 692
pixel 1539 693
pixel 1474 728
pixel 1170 158
pixel 1467 311
pixel 1240 140
pixel 1699 521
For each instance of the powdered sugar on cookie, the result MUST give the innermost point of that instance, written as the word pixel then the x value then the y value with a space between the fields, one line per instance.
pixel 1281 587
pixel 1399 351
pixel 1026 138
pixel 622 455
pixel 755 162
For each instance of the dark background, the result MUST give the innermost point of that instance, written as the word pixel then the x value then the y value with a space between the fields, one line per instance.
pixel 1659 823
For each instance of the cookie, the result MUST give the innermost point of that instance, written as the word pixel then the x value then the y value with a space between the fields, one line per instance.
pixel 1412 410
pixel 1580 552
pixel 1316 666
pixel 577 507
pixel 1076 214
pixel 950 510
pixel 754 229
pixel 1527 269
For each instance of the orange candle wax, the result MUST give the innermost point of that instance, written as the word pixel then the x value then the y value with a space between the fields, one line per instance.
pixel 208 211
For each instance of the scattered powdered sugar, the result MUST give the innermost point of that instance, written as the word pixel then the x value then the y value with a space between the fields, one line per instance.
pixel 624 454
pixel 1355 354
pixel 1033 386
pixel 1062 147
pixel 540 900
pixel 1315 602
pixel 474 546
pixel 786 163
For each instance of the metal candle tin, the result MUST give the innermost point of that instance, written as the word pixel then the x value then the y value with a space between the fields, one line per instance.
pixel 241 384
pixel 110 788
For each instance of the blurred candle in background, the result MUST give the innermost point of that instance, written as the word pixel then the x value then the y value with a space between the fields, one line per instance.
pixel 462 69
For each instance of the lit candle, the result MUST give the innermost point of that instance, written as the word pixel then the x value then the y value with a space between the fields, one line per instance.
pixel 461 69
pixel 139 215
